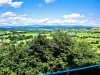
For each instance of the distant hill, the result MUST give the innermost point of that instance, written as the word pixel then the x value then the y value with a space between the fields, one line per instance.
pixel 37 27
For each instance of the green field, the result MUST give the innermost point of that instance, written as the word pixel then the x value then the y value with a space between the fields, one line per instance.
pixel 89 34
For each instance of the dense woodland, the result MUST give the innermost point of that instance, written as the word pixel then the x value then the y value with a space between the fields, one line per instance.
pixel 41 55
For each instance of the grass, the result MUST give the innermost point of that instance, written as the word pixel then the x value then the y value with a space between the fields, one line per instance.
pixel 95 45
pixel 28 34
pixel 88 34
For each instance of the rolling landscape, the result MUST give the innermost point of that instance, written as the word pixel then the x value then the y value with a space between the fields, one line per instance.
pixel 22 47
pixel 49 37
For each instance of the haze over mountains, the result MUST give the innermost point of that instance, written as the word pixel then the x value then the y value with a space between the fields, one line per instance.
pixel 43 27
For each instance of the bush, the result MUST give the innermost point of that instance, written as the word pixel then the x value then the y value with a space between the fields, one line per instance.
pixel 98 46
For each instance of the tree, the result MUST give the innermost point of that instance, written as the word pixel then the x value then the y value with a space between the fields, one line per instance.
pixel 39 47
pixel 83 54
pixel 61 43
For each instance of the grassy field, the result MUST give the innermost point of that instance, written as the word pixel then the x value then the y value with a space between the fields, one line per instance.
pixel 88 34
pixel 28 34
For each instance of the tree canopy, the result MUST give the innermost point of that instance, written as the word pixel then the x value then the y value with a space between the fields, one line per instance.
pixel 42 55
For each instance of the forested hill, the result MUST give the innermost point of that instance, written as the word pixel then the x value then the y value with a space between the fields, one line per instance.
pixel 34 27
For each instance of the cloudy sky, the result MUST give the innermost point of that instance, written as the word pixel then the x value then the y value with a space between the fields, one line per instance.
pixel 50 12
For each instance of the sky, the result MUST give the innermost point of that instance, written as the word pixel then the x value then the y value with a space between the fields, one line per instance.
pixel 50 12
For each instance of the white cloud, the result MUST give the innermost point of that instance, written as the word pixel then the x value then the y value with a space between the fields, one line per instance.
pixel 10 3
pixel 74 15
pixel 49 1
pixel 4 2
pixel 61 22
pixel 8 14
pixel 16 4
pixel 10 18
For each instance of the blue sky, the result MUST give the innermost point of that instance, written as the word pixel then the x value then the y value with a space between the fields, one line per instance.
pixel 50 12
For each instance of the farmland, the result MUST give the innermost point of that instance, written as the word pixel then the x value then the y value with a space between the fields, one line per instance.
pixel 91 35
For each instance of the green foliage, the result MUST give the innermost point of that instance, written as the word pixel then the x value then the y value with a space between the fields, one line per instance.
pixel 98 46
pixel 19 37
pixel 83 54
pixel 43 55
